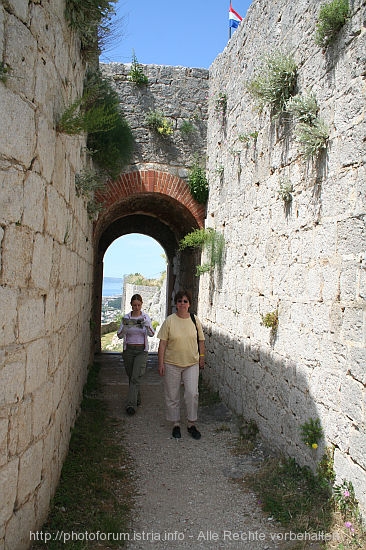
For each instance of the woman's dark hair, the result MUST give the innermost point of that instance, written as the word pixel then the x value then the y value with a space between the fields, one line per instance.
pixel 136 297
pixel 181 293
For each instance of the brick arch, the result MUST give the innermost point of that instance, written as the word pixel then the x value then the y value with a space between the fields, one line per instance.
pixel 151 181
pixel 157 204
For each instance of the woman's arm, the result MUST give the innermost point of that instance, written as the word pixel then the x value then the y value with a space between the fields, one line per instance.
pixel 120 331
pixel 201 347
pixel 149 329
pixel 161 353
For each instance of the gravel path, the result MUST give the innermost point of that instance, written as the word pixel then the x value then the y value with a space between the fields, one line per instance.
pixel 188 492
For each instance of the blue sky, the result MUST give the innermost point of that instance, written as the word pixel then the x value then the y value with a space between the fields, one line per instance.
pixel 134 253
pixel 189 33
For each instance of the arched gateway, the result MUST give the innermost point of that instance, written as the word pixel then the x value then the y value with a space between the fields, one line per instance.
pixel 156 204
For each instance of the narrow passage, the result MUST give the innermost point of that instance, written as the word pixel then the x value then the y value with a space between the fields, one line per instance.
pixel 188 492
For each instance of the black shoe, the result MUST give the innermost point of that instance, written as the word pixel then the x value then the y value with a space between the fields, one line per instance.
pixel 194 432
pixel 130 411
pixel 176 432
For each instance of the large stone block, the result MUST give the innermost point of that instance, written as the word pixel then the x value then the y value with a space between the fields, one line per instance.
pixel 8 489
pixel 34 201
pixel 19 39
pixel 20 427
pixel 12 375
pixel 18 135
pixel 31 318
pixel 16 256
pixel 41 408
pixel 30 469
pixel 11 195
pixel 36 365
pixel 8 322
pixel 4 425
pixel 18 8
pixel 42 261
pixel 20 526
pixel 56 216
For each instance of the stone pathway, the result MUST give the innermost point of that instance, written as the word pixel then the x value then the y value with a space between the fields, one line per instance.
pixel 188 492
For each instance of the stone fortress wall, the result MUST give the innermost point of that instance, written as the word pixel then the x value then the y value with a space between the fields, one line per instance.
pixel 310 264
pixel 46 263
pixel 180 95
pixel 309 261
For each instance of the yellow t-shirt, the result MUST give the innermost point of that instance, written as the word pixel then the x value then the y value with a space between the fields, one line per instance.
pixel 181 337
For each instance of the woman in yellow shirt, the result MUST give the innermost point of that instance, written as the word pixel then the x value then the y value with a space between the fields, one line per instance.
pixel 181 354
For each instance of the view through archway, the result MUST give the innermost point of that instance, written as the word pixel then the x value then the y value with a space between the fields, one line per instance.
pixel 133 263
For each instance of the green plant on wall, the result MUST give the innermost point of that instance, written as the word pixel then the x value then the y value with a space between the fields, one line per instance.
pixel 197 182
pixel 86 183
pixel 157 122
pixel 312 137
pixel 91 19
pixel 211 242
pixel 332 17
pixel 84 117
pixel 221 104
pixel 98 113
pixel 136 74
pixel 325 467
pixel 303 108
pixel 311 132
pixel 4 72
pixel 270 320
pixel 245 138
pixel 311 432
pixel 275 82
pixel 187 127
pixel 285 190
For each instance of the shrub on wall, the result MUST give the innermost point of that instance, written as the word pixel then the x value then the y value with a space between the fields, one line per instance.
pixel 86 183
pixel 285 190
pixel 98 113
pixel 275 82
pixel 157 122
pixel 303 108
pixel 91 20
pixel 198 184
pixel 332 17
pixel 187 128
pixel 210 241
pixel 136 74
pixel 312 137
pixel 311 132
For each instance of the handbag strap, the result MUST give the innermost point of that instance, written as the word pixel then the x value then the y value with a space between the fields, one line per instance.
pixel 195 324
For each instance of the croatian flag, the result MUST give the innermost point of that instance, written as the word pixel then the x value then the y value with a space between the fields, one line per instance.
pixel 234 18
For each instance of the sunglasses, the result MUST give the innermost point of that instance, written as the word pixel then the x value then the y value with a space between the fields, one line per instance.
pixel 183 301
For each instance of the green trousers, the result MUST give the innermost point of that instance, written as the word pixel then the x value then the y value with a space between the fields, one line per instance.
pixel 135 359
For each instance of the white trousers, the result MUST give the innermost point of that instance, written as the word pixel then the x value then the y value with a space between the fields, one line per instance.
pixel 173 378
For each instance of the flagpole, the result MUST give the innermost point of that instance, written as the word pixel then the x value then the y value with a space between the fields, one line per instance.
pixel 229 22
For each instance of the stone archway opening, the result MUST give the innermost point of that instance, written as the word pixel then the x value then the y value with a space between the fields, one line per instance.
pixel 133 263
pixel 157 205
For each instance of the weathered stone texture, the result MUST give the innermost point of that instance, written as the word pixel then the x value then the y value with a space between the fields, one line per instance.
pixel 307 260
pixel 180 95
pixel 45 263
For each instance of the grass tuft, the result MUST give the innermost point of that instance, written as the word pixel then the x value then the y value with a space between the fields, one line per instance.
pixel 291 495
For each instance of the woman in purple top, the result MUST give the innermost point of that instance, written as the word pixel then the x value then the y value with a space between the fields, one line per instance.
pixel 135 328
